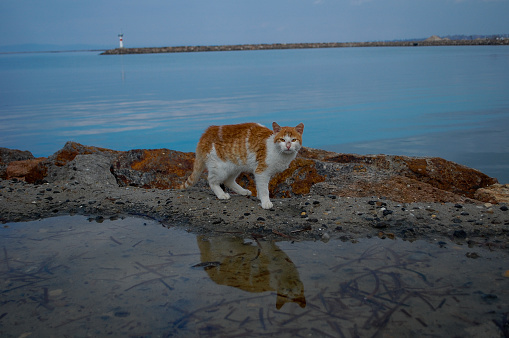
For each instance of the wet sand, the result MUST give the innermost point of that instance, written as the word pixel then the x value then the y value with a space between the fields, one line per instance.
pixel 313 216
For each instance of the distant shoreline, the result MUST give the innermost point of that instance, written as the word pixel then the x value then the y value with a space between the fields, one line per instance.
pixel 245 47
pixel 55 51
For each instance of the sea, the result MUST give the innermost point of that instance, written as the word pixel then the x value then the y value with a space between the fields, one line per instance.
pixel 450 101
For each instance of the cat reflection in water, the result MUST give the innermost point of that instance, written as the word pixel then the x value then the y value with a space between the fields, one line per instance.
pixel 253 268
pixel 226 151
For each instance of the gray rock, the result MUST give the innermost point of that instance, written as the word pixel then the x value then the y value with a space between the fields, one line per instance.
pixel 89 170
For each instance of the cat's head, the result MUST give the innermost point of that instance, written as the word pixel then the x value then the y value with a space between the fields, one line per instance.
pixel 288 139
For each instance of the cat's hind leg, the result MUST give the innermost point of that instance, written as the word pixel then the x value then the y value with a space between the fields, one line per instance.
pixel 233 185
pixel 215 178
pixel 216 188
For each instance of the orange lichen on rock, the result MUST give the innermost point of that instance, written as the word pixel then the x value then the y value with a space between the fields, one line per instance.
pixel 20 169
pixel 399 178
pixel 447 175
pixel 298 179
pixel 300 176
pixel 437 172
pixel 40 171
pixel 153 168
pixel 400 189
pixel 73 149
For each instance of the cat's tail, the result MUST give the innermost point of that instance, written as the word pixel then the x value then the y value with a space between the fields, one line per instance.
pixel 198 168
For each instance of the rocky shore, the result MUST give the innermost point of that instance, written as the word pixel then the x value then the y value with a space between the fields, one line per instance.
pixel 322 195
pixel 222 48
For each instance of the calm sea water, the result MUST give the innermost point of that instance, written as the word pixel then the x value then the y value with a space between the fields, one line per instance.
pixel 450 102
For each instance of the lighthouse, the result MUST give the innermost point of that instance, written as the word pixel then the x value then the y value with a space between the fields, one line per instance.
pixel 121 40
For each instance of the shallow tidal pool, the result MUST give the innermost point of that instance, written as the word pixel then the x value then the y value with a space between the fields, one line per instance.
pixel 73 276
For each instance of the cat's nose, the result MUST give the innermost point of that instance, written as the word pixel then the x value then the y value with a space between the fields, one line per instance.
pixel 288 145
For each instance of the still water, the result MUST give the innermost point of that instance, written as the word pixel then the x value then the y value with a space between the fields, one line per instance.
pixel 450 102
pixel 71 276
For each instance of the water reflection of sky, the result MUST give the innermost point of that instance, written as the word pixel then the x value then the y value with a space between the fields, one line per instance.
pixel 133 277
pixel 344 97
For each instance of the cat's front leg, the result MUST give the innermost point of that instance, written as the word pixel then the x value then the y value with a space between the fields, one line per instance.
pixel 266 203
pixel 262 190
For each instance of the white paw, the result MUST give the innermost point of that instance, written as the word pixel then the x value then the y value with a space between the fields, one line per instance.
pixel 223 196
pixel 245 192
pixel 267 204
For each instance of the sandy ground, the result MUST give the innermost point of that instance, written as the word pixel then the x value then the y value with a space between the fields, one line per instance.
pixel 308 217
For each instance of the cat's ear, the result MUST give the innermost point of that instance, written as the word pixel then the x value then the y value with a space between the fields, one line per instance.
pixel 276 127
pixel 300 128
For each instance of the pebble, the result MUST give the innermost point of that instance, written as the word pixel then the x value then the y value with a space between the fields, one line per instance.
pixel 387 212
pixel 489 297
pixel 380 225
pixel 460 234
pixel 472 255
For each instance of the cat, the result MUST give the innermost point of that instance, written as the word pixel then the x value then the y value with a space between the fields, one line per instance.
pixel 254 268
pixel 226 151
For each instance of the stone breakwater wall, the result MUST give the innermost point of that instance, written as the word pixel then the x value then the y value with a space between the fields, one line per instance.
pixel 398 178
pixel 222 48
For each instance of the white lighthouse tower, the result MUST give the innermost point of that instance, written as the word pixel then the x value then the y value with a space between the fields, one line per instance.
pixel 121 40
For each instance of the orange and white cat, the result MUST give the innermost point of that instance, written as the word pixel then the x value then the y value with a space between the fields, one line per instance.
pixel 226 151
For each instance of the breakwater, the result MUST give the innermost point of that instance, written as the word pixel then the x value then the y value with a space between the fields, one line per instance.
pixel 246 47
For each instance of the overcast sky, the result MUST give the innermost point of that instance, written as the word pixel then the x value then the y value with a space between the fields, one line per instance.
pixel 213 22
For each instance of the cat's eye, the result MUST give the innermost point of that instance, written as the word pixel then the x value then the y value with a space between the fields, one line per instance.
pixel 294 140
pixel 281 140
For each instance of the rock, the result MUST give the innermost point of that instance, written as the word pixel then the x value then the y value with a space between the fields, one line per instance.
pixel 496 193
pixel 159 168
pixel 8 156
pixel 296 180
pixel 73 149
pixel 20 169
pixel 47 170
pixel 387 212
pixel 398 178
pixel 91 170
pixel 461 234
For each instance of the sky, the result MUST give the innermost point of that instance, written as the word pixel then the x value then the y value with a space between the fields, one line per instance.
pixel 149 23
